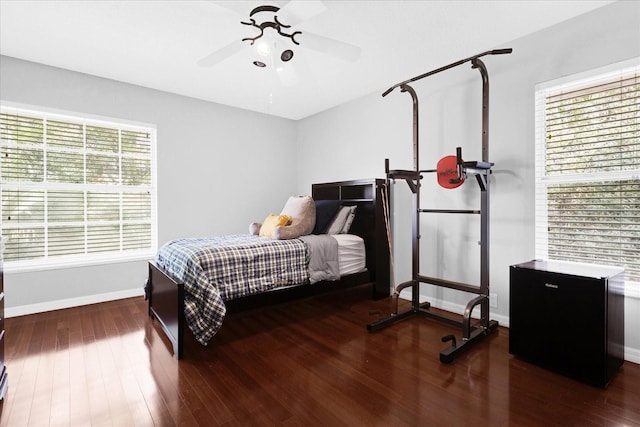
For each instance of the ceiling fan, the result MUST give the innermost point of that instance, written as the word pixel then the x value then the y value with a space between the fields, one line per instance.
pixel 277 39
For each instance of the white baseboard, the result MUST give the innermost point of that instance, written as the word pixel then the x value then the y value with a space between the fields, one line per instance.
pixel 23 310
pixel 630 354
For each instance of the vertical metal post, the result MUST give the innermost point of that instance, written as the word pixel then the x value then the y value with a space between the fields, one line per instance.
pixel 415 249
pixel 484 195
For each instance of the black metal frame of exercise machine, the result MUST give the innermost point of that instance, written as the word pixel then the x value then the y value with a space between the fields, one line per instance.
pixel 481 169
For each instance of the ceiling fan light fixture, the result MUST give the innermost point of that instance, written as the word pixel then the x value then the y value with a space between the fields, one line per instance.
pixel 277 38
pixel 263 48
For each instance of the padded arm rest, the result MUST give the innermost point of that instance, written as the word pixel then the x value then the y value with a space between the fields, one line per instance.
pixel 254 228
pixel 477 165
pixel 286 232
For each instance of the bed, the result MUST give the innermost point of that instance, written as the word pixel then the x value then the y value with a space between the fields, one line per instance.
pixel 170 299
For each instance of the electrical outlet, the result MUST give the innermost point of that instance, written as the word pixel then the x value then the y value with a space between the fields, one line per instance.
pixel 493 300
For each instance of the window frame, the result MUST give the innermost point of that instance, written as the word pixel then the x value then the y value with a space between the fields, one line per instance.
pixel 543 181
pixel 82 260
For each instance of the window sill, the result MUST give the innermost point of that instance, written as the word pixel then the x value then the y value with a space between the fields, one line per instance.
pixel 74 262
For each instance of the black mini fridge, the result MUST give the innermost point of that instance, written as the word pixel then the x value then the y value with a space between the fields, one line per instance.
pixel 568 317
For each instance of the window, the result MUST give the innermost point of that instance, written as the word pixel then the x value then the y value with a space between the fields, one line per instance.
pixel 75 190
pixel 588 170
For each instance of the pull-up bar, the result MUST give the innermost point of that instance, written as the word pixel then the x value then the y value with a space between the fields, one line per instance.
pixel 446 67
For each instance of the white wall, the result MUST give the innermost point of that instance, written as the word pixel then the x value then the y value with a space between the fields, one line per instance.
pixel 373 128
pixel 219 169
pixel 213 176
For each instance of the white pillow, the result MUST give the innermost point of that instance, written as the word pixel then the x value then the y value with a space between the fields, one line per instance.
pixel 349 221
pixel 339 221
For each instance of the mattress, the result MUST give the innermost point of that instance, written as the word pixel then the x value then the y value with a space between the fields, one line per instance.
pixel 351 253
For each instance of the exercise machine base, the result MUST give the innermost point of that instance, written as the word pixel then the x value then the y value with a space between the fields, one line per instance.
pixel 476 331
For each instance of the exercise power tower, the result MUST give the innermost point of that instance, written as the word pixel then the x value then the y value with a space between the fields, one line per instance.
pixel 451 172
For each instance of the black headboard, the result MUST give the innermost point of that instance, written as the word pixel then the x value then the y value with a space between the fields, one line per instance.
pixel 368 224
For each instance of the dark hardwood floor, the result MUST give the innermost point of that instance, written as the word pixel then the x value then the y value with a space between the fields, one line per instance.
pixel 304 363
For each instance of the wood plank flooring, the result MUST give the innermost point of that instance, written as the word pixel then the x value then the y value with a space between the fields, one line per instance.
pixel 303 363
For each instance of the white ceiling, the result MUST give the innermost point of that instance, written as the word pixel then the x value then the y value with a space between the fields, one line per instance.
pixel 156 44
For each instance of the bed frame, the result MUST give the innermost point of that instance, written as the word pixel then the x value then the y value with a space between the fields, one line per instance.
pixel 166 297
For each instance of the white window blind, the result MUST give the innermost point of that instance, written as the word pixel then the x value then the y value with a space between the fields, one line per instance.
pixel 588 171
pixel 75 190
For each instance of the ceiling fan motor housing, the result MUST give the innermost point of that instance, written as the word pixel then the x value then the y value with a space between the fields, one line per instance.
pixel 277 26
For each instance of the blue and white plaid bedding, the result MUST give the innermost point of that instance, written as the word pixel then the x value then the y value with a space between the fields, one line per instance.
pixel 219 269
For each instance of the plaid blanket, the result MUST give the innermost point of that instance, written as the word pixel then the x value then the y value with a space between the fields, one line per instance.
pixel 219 269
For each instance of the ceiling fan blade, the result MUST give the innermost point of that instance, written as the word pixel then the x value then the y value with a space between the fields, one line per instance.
pixel 332 47
pixel 221 54
pixel 295 12
pixel 239 7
